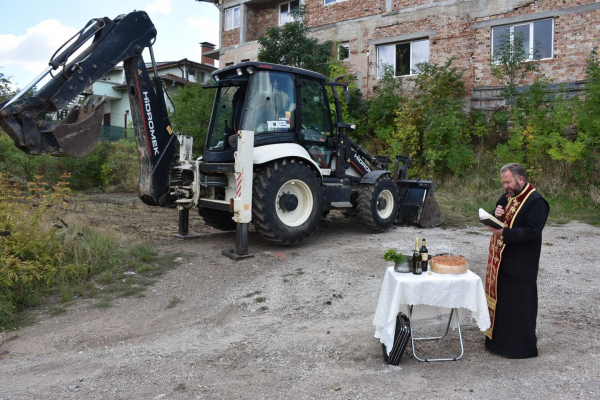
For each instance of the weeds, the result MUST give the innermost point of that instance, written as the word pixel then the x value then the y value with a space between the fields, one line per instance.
pixel 173 302
pixel 42 257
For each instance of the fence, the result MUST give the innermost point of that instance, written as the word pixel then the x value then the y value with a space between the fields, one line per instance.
pixel 114 133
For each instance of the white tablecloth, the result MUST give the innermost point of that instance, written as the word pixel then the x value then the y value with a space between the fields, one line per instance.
pixel 431 295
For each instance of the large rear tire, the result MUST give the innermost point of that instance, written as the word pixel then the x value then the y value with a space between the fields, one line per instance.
pixel 287 202
pixel 378 205
pixel 220 220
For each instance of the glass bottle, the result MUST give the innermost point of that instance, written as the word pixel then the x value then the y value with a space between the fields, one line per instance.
pixel 424 256
pixel 416 259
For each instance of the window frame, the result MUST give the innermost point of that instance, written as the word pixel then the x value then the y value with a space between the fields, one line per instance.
pixel 289 5
pixel 411 73
pixel 232 10
pixel 531 36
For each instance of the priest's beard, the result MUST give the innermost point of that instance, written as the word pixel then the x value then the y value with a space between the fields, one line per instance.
pixel 516 191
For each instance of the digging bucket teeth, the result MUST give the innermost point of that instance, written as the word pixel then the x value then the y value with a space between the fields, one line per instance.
pixel 74 136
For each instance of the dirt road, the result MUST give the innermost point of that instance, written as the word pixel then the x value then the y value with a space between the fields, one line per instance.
pixel 296 322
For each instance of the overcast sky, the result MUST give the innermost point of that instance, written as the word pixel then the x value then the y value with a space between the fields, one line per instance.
pixel 32 30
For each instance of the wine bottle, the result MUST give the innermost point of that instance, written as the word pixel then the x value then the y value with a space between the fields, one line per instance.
pixel 417 259
pixel 424 256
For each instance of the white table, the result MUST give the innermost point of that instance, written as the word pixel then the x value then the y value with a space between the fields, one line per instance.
pixel 429 295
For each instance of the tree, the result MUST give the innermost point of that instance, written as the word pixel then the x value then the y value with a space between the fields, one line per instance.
pixel 290 45
pixel 5 91
pixel 193 106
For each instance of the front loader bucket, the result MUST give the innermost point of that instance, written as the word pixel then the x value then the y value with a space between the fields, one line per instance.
pixel 74 136
pixel 417 205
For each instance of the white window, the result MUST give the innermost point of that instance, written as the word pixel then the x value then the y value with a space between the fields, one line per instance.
pixel 344 51
pixel 332 1
pixel 232 18
pixel 537 38
pixel 402 57
pixel 285 11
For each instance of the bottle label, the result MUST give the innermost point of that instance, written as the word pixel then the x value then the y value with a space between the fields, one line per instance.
pixel 424 257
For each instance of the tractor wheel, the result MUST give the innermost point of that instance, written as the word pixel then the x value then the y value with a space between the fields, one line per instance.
pixel 287 202
pixel 378 205
pixel 221 220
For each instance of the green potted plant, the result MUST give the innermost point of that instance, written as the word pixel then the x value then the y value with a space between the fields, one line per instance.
pixel 400 262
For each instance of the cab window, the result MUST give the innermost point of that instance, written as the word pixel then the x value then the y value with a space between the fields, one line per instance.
pixel 316 121
pixel 271 104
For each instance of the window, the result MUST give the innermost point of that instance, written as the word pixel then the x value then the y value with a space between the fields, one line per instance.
pixel 285 11
pixel 537 38
pixel 271 103
pixel 344 51
pixel 232 18
pixel 402 57
pixel 332 1
pixel 316 121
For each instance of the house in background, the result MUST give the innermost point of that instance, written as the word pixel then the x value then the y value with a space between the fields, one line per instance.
pixel 174 74
pixel 402 33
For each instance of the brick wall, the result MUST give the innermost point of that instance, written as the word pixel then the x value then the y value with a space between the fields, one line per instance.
pixel 231 36
pixel 575 35
pixel 263 18
pixel 320 14
pixel 402 4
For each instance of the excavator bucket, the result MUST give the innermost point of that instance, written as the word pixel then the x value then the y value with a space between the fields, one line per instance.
pixel 79 132
pixel 74 136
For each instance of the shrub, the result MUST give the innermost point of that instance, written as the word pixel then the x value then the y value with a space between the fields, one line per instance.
pixel 31 248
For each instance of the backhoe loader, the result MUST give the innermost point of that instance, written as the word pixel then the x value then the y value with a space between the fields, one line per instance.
pixel 275 154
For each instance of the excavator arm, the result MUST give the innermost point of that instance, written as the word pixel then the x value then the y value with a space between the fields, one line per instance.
pixel 110 42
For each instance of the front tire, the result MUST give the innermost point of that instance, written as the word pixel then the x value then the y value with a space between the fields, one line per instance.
pixel 378 205
pixel 287 202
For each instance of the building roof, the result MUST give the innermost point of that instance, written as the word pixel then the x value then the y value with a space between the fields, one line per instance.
pixel 168 64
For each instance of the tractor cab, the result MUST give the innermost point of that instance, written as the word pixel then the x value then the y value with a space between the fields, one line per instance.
pixel 280 104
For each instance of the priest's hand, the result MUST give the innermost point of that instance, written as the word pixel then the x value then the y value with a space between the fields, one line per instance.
pixel 497 232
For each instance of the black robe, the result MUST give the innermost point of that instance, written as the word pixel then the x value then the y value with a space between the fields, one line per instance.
pixel 516 309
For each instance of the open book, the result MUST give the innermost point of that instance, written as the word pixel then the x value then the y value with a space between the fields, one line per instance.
pixel 489 220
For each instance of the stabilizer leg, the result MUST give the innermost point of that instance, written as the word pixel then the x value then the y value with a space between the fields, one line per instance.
pixel 241 244
pixel 184 223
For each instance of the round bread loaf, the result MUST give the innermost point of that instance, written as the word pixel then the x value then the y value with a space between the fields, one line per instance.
pixel 448 264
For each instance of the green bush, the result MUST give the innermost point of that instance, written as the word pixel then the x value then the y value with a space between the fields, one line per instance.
pixel 113 164
pixel 31 248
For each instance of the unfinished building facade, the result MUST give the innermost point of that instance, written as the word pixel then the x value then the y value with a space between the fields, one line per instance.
pixel 402 33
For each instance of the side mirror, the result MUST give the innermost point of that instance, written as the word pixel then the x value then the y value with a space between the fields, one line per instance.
pixel 347 96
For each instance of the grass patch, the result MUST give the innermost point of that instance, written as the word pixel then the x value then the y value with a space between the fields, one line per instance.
pixel 56 310
pixel 260 299
pixel 173 302
pixel 460 198
pixel 263 308
pixel 103 304
pixel 248 295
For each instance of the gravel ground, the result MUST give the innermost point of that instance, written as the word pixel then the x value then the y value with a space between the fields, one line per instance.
pixel 296 322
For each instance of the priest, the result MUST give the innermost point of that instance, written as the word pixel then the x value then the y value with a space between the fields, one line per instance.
pixel 512 267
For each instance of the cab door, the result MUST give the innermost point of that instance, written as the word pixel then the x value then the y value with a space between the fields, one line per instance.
pixel 315 124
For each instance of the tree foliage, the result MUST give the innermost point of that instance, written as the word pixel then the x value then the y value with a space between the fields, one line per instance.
pixel 193 106
pixel 290 45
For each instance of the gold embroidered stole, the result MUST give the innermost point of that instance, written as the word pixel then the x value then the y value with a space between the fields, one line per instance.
pixel 495 253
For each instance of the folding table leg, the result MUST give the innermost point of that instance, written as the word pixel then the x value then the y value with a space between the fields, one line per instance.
pixel 413 338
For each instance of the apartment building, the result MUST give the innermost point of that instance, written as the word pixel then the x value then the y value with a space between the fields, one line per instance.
pixel 403 33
